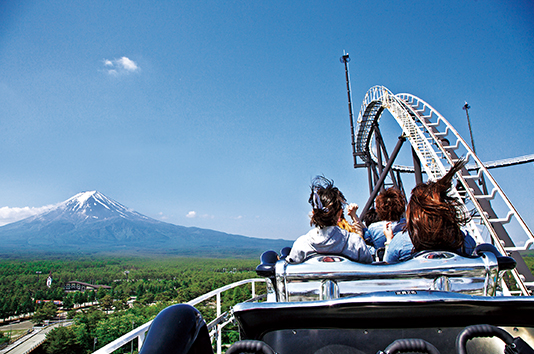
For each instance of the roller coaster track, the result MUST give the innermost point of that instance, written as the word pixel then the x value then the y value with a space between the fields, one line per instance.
pixel 436 147
pixel 471 167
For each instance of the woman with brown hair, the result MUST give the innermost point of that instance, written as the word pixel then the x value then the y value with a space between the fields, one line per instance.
pixel 390 207
pixel 326 237
pixel 433 222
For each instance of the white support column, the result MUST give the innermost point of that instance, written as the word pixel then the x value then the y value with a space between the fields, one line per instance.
pixel 219 339
pixel 140 340
pixel 253 290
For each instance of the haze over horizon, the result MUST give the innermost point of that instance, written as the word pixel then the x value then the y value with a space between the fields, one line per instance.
pixel 218 115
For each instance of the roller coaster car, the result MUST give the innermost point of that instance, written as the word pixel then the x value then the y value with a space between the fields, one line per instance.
pixel 437 302
pixel 327 277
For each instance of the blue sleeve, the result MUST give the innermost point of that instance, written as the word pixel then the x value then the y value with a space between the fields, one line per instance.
pixel 469 244
pixel 366 235
pixel 392 254
pixel 399 249
pixel 399 225
pixel 376 234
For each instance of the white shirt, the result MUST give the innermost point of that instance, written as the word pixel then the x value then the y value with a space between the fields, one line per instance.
pixel 330 240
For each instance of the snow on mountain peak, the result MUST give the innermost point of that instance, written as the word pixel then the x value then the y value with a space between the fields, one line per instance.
pixel 95 205
pixel 82 197
pixel 80 200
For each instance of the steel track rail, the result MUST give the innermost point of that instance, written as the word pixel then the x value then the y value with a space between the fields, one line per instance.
pixel 438 145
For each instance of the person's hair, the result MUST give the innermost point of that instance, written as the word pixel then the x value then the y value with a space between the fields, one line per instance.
pixel 326 201
pixel 433 217
pixel 390 204
pixel 370 217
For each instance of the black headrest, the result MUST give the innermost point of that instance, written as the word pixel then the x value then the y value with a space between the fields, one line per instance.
pixel 266 267
pixel 284 252
pixel 505 262
pixel 269 257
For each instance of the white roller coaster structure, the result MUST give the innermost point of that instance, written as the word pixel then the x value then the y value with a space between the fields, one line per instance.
pixel 436 146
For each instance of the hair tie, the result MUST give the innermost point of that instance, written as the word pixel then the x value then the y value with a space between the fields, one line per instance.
pixel 317 201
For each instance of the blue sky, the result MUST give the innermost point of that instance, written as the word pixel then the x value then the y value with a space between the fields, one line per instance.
pixel 218 114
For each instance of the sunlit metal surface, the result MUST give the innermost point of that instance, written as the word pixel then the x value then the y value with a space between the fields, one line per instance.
pixel 327 277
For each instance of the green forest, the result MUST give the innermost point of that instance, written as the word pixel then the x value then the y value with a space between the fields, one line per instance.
pixel 140 288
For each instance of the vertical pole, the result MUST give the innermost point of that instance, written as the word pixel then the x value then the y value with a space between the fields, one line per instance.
pixel 219 332
pixel 370 177
pixel 253 290
pixel 399 183
pixel 417 168
pixel 378 142
pixel 482 181
pixel 466 109
pixel 345 60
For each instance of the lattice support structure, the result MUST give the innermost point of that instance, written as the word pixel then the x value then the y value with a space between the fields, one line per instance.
pixel 438 146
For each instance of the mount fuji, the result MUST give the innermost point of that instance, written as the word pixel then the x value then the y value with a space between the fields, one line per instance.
pixel 91 222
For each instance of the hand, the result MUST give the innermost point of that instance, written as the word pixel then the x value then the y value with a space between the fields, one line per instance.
pixel 388 231
pixel 352 208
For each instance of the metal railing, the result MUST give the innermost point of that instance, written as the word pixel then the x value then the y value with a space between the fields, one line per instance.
pixel 214 327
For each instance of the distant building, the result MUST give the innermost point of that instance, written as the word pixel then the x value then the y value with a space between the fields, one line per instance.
pixel 57 302
pixel 81 286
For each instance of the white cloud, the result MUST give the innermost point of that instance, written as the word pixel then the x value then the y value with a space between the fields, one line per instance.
pixel 193 214
pixel 128 64
pixel 122 66
pixel 9 215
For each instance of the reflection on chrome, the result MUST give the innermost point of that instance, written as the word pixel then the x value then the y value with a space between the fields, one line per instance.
pixel 329 277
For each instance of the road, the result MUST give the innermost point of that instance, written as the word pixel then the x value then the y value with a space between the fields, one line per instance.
pixel 32 340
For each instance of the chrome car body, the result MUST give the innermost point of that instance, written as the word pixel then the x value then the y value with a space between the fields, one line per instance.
pixel 327 277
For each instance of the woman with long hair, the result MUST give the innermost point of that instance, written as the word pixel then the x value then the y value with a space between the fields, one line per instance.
pixel 390 208
pixel 433 221
pixel 326 237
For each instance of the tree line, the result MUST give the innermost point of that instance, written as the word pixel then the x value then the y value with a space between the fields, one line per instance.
pixel 154 283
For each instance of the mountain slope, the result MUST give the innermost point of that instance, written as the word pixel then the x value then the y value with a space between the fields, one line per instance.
pixel 92 222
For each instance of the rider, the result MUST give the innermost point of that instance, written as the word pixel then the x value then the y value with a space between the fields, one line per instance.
pixel 433 221
pixel 326 237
